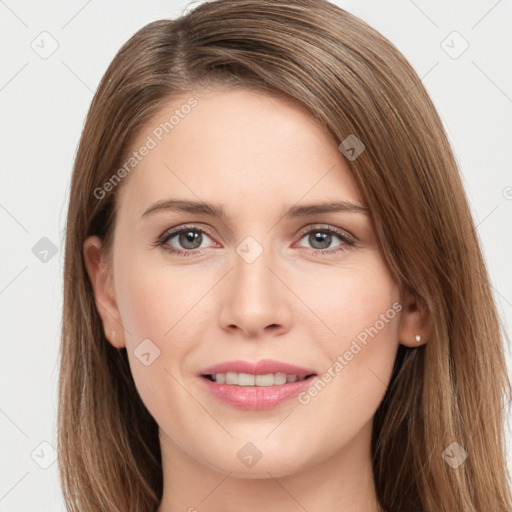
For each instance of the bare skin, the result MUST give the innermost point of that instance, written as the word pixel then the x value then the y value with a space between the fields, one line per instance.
pixel 302 301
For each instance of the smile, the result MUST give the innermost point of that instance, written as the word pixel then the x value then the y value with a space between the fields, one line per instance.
pixel 249 379
pixel 256 385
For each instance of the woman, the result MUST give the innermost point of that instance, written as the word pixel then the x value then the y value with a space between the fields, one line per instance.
pixel 274 292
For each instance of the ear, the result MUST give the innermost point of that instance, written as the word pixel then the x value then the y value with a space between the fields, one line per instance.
pixel 101 277
pixel 415 321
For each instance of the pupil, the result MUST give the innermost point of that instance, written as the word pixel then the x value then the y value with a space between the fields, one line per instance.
pixel 323 238
pixel 189 239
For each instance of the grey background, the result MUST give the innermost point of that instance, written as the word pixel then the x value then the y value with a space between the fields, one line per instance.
pixel 43 101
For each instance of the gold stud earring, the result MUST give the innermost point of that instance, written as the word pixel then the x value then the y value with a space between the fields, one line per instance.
pixel 418 338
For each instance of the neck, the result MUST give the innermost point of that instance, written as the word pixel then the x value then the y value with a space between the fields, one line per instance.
pixel 342 481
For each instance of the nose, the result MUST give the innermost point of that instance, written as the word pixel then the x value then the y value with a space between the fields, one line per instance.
pixel 255 301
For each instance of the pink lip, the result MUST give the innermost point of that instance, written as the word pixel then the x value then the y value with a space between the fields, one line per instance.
pixel 256 397
pixel 261 367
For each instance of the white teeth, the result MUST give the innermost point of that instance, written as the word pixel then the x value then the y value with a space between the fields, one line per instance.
pixel 279 378
pixel 245 379
pixel 248 379
pixel 231 378
pixel 264 380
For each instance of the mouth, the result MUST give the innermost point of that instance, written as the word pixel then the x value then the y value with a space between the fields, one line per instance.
pixel 261 385
pixel 251 379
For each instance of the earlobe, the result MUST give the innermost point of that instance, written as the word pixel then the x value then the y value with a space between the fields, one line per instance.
pixel 415 322
pixel 100 276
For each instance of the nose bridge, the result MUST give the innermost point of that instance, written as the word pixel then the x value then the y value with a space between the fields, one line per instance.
pixel 252 274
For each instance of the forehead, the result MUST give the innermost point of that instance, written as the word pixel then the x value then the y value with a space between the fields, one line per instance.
pixel 227 144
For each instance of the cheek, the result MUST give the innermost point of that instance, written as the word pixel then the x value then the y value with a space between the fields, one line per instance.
pixel 362 312
pixel 363 305
pixel 156 302
pixel 155 306
pixel 162 312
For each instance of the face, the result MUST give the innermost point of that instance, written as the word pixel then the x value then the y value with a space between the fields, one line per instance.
pixel 269 288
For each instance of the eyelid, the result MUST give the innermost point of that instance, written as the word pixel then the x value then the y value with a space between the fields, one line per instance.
pixel 343 233
pixel 209 231
pixel 348 239
pixel 168 233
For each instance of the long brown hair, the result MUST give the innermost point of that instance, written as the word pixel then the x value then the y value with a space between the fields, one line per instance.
pixel 355 82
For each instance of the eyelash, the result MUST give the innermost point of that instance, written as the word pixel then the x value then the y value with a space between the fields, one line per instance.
pixel 347 240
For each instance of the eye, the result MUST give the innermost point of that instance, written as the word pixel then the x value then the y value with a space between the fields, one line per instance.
pixel 189 240
pixel 322 237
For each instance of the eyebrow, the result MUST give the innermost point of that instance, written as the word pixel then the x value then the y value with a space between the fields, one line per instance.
pixel 217 211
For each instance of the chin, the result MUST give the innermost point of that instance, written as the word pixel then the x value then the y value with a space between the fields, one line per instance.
pixel 249 463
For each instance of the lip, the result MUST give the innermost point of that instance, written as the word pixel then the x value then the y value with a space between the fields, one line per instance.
pixel 256 397
pixel 261 367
